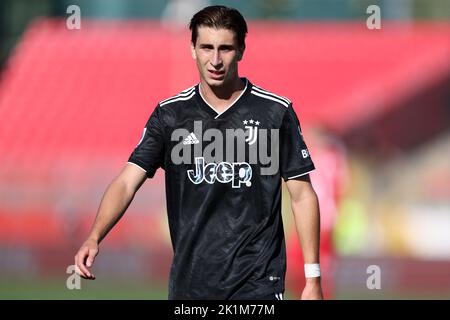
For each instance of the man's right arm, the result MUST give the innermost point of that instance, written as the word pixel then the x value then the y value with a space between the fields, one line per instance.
pixel 113 205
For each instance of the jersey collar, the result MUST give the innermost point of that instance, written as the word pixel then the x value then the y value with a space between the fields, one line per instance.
pixel 212 111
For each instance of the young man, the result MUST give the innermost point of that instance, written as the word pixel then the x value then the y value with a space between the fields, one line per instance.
pixel 224 144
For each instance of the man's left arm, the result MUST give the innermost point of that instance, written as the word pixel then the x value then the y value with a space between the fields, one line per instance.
pixel 305 207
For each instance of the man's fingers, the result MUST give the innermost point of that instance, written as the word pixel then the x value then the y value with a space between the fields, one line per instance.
pixel 77 268
pixel 84 272
pixel 91 257
pixel 79 272
pixel 79 261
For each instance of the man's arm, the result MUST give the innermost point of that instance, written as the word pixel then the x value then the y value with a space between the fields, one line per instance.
pixel 305 207
pixel 113 205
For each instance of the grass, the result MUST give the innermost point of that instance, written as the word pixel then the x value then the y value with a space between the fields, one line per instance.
pixel 134 289
pixel 102 289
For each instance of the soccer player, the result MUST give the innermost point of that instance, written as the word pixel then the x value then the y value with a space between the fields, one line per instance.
pixel 225 144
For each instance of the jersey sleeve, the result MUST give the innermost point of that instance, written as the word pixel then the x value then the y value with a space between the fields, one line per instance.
pixel 295 159
pixel 149 152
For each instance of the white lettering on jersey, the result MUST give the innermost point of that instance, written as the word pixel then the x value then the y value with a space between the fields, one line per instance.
pixel 305 153
pixel 237 173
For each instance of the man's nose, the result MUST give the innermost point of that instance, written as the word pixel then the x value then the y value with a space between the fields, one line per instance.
pixel 216 59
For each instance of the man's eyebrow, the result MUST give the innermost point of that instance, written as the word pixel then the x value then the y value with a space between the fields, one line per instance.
pixel 226 46
pixel 222 46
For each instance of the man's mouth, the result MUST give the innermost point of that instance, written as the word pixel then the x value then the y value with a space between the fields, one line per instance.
pixel 216 74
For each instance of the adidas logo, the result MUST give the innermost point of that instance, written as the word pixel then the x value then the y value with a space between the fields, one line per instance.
pixel 191 139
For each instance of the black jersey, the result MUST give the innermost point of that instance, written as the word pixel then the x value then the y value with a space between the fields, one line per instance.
pixel 223 189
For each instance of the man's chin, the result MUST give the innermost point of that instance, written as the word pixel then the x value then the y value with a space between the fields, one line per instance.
pixel 215 82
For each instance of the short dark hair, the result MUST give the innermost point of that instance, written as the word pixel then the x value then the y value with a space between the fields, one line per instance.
pixel 219 17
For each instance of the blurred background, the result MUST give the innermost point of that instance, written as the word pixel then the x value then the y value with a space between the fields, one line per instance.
pixel 374 105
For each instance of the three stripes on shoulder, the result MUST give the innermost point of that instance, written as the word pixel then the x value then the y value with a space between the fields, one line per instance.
pixel 257 91
pixel 182 96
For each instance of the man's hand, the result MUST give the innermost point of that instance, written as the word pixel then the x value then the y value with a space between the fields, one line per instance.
pixel 85 258
pixel 313 289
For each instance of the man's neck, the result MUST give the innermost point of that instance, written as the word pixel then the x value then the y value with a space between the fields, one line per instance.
pixel 221 97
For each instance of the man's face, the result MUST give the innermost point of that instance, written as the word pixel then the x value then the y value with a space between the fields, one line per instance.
pixel 216 53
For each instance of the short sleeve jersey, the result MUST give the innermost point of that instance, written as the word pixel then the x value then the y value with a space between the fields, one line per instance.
pixel 223 175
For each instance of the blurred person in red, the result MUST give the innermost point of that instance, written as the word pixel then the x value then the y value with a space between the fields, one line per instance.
pixel 329 182
pixel 223 199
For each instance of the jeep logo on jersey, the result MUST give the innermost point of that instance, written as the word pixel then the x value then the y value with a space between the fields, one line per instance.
pixel 237 173
pixel 251 146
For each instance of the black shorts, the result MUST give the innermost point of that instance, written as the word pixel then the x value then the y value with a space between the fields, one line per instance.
pixel 273 296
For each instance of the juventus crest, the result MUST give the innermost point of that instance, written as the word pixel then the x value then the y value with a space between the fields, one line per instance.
pixel 252 130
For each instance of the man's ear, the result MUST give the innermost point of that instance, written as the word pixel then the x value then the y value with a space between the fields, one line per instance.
pixel 193 53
